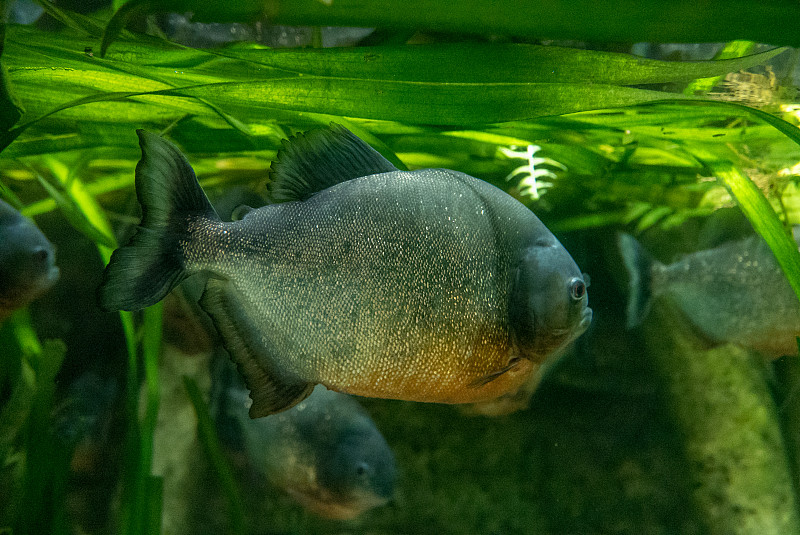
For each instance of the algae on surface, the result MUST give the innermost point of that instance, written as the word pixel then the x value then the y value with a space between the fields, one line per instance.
pixel 732 438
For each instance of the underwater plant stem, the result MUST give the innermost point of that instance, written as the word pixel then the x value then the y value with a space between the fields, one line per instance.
pixel 151 348
pixel 141 498
pixel 211 445
pixel 720 402
pixel 129 512
pixel 40 504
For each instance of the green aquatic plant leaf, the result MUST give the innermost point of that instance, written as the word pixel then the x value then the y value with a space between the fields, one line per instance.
pixel 75 215
pixel 153 82
pixel 582 20
pixel 120 19
pixel 142 492
pixel 679 21
pixel 148 489
pixel 692 110
pixel 763 218
pixel 492 63
pixel 155 504
pixel 10 109
pixel 41 501
pixel 80 23
pixel 77 204
pixel 438 103
pixel 20 347
pixel 734 49
pixel 213 449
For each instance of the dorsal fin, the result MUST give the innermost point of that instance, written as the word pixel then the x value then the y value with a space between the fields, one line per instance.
pixel 318 159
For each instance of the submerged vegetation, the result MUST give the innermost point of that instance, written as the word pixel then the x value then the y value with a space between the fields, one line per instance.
pixel 592 140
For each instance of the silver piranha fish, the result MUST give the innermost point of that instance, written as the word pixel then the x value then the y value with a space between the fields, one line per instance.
pixel 27 261
pixel 427 285
pixel 733 293
pixel 325 452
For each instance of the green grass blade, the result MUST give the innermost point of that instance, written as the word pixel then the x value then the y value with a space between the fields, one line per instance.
pixel 456 104
pixel 139 506
pixel 155 500
pixel 148 505
pixel 74 215
pixel 763 218
pixel 47 462
pixel 137 451
pixel 120 20
pixel 494 63
pixel 10 109
pixel 212 447
pixel 456 84
pixel 76 21
pixel 726 109
pixel 678 21
pixel 734 49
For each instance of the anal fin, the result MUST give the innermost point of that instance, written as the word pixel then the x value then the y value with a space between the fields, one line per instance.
pixel 270 390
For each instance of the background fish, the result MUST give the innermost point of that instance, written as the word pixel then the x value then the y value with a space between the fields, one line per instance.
pixel 325 452
pixel 733 293
pixel 27 261
pixel 427 286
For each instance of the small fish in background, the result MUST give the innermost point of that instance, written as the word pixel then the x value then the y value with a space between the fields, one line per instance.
pixel 325 452
pixel 735 293
pixel 428 285
pixel 27 261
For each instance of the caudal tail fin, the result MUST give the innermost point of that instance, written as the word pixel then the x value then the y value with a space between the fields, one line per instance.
pixel 639 264
pixel 144 271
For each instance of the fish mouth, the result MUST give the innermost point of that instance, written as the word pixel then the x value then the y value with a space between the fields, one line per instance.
pixel 46 280
pixel 51 277
pixel 53 274
pixel 586 319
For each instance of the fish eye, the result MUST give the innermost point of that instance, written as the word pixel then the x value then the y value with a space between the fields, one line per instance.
pixel 40 254
pixel 577 289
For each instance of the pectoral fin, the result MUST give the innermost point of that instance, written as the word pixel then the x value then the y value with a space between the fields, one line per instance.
pixel 270 390
pixel 488 378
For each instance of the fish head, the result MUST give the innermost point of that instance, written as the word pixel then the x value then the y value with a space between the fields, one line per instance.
pixel 358 473
pixel 549 302
pixel 27 259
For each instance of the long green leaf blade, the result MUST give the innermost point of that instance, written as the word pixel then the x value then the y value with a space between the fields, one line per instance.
pixel 763 218
pixel 481 63
pixel 678 21
pixel 211 445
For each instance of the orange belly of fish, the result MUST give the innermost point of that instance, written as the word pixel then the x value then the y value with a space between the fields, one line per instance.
pixel 424 381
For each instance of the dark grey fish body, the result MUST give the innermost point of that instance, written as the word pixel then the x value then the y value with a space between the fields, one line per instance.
pixel 735 293
pixel 428 285
pixel 27 261
pixel 325 452
pixel 357 281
